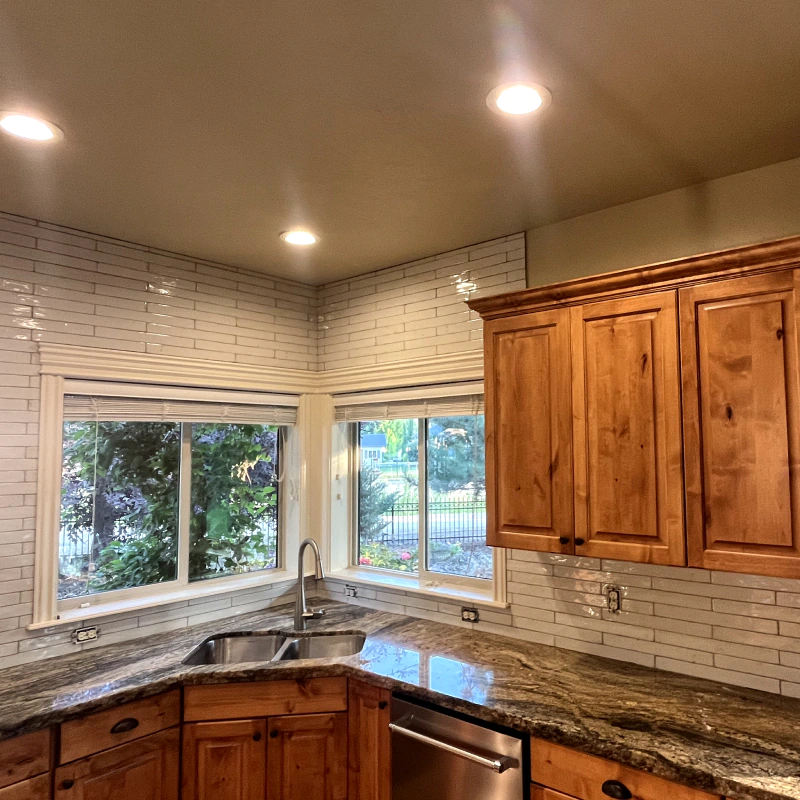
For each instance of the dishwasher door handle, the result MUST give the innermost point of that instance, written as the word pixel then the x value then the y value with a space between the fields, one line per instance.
pixel 498 764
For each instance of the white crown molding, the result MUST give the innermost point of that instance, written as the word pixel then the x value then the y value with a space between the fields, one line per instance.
pixel 450 368
pixel 98 364
pixel 90 363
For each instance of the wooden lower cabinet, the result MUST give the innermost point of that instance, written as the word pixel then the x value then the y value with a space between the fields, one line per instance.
pixel 307 757
pixel 369 750
pixel 565 774
pixel 225 760
pixel 147 768
pixel 37 788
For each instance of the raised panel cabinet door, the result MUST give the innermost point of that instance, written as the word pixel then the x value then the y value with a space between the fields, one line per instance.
pixel 742 424
pixel 225 760
pixel 369 746
pixel 307 757
pixel 529 432
pixel 147 768
pixel 627 430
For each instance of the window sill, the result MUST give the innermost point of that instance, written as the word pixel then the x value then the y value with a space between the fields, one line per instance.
pixel 106 608
pixel 444 590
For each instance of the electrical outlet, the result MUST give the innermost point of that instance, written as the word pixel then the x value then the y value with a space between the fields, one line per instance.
pixel 350 591
pixel 470 614
pixel 83 635
pixel 613 597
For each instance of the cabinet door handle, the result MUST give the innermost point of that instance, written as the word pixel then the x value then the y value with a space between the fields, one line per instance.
pixel 67 784
pixel 256 737
pixel 579 542
pixel 563 539
pixel 617 790
pixel 125 725
pixel 382 704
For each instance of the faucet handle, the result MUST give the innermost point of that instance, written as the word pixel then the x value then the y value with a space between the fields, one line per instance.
pixel 314 613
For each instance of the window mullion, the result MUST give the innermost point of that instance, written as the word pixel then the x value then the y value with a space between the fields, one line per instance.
pixel 422 480
pixel 184 503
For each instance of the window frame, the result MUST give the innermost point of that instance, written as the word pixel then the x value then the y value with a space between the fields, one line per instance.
pixel 48 609
pixel 425 576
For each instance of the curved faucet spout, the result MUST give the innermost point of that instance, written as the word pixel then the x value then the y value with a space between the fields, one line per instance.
pixel 301 612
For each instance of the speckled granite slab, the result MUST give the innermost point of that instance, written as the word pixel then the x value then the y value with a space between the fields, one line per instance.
pixel 736 742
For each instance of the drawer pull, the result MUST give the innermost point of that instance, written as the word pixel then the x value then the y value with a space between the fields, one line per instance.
pixel 67 784
pixel 617 790
pixel 125 725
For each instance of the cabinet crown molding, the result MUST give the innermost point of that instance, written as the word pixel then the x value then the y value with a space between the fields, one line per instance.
pixel 764 257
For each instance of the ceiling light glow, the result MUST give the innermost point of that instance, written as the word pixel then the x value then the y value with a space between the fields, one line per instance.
pixel 31 128
pixel 518 98
pixel 302 238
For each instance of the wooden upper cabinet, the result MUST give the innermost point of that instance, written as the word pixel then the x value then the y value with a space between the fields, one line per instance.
pixel 529 432
pixel 307 757
pixel 225 760
pixel 742 424
pixel 627 429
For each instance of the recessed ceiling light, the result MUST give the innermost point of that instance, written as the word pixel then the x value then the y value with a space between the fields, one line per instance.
pixel 518 98
pixel 31 128
pixel 303 238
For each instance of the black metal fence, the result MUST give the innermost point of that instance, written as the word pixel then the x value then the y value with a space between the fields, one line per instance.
pixel 448 521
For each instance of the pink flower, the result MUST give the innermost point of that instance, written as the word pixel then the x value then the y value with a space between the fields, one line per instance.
pixel 405 556
pixel 365 560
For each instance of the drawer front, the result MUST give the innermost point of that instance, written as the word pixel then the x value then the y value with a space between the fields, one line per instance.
pixel 106 729
pixel 543 793
pixel 24 756
pixel 591 778
pixel 267 699
pixel 33 789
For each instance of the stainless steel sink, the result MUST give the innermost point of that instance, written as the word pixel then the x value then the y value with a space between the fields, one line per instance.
pixel 333 645
pixel 236 648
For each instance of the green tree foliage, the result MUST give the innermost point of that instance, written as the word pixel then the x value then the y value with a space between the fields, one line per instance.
pixel 374 500
pixel 456 452
pixel 121 483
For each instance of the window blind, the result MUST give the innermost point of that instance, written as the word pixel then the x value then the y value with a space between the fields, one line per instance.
pixel 461 406
pixel 140 409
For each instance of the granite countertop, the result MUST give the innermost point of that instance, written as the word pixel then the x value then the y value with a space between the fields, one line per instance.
pixel 735 742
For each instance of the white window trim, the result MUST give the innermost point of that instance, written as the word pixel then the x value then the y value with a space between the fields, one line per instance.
pixel 343 544
pixel 48 610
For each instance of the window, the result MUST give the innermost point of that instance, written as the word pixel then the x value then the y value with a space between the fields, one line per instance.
pixel 421 495
pixel 164 494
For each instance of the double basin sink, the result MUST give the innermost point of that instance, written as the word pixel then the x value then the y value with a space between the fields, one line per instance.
pixel 251 647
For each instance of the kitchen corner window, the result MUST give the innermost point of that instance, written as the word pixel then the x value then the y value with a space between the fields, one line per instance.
pixel 163 494
pixel 421 494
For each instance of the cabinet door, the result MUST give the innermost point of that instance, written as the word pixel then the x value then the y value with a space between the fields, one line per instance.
pixel 529 432
pixel 307 757
pixel 225 760
pixel 369 749
pixel 147 768
pixel 627 430
pixel 742 424
pixel 33 789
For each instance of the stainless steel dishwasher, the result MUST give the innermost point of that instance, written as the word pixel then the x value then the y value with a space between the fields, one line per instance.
pixel 436 756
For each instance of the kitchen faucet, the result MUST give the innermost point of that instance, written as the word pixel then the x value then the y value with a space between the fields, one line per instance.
pixel 301 612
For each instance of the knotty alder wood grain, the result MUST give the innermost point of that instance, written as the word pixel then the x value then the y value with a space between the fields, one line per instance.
pixel 582 776
pixel 528 432
pixel 742 424
pixel 24 756
pixel 224 760
pixel 369 751
pixel 147 768
pixel 82 737
pixel 627 430
pixel 307 757
pixel 33 789
pixel 270 698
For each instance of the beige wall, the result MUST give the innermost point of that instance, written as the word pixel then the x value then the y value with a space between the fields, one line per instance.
pixel 755 206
